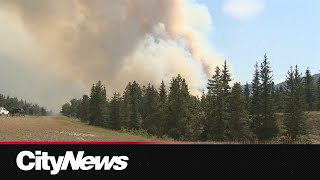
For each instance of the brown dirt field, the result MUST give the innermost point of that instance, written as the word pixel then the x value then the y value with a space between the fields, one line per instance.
pixel 56 129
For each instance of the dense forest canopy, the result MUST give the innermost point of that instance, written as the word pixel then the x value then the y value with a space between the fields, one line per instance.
pixel 225 112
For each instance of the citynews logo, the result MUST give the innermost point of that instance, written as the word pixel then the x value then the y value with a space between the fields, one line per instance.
pixel 42 161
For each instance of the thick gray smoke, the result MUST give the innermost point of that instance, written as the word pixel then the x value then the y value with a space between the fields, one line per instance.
pixel 54 50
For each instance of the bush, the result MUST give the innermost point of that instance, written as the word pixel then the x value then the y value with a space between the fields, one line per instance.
pixel 144 133
pixel 303 139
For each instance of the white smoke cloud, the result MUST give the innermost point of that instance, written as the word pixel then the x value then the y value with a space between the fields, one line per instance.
pixel 244 9
pixel 57 49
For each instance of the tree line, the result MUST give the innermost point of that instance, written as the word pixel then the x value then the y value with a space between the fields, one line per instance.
pixel 224 112
pixel 30 108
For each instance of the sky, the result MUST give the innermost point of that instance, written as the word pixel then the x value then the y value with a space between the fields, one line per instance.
pixel 52 51
pixel 287 30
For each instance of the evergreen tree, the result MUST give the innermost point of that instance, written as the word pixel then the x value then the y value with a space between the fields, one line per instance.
pixel 93 115
pixel 273 91
pixel 115 120
pixel 295 115
pixel 226 79
pixel 2 100
pixel 162 115
pixel 197 119
pixel 84 108
pixel 239 120
pixel 204 123
pixel 136 95
pixel 186 124
pixel 74 108
pixel 279 100
pixel 105 107
pixel 225 97
pixel 268 128
pixel 247 99
pixel 309 90
pixel 177 109
pixel 98 110
pixel 255 108
pixel 163 92
pixel 150 106
pixel 216 123
pixel 126 106
pixel 64 111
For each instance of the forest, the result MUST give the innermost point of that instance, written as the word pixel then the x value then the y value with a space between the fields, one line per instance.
pixel 259 111
pixel 29 108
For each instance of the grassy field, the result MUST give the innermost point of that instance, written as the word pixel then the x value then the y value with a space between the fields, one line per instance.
pixel 63 129
pixel 313 123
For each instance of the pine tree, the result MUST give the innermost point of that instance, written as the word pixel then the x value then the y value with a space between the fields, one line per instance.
pixel 272 97
pixel 215 84
pixel 162 115
pixel 98 107
pixel 84 108
pixel 197 119
pixel 136 94
pixel 204 124
pixel 268 128
pixel 64 111
pixel 216 123
pixel 2 100
pixel 225 96
pixel 126 106
pixel 115 120
pixel 239 119
pixel 105 107
pixel 74 108
pixel 255 108
pixel 177 110
pixel 186 124
pixel 163 92
pixel 295 115
pixel 226 79
pixel 132 107
pixel 247 99
pixel 150 106
pixel 309 90
pixel 93 112
pixel 279 100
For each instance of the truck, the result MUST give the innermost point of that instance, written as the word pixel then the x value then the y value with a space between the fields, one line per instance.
pixel 4 112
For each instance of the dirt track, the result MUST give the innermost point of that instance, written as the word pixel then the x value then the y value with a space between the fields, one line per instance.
pixel 46 129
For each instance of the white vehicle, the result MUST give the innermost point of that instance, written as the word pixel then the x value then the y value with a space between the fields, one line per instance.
pixel 3 111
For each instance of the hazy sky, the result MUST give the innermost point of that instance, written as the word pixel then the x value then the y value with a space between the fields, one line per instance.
pixel 52 51
pixel 287 30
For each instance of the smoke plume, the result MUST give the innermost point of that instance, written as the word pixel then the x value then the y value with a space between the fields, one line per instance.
pixel 55 50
